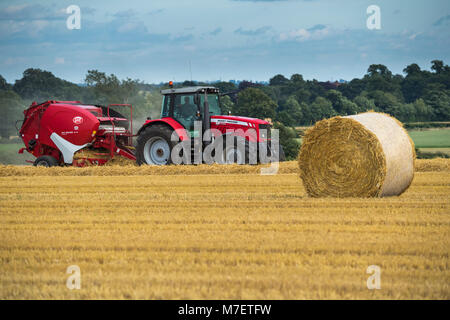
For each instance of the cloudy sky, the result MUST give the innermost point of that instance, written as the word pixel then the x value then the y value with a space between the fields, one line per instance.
pixel 157 40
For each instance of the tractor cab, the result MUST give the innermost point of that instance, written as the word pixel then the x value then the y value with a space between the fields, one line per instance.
pixel 187 105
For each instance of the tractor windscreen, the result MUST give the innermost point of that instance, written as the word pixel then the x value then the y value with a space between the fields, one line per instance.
pixel 213 101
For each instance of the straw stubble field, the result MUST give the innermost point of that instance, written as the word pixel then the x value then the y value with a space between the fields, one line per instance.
pixel 217 232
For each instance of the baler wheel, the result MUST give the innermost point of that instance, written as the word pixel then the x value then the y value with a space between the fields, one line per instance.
pixel 45 161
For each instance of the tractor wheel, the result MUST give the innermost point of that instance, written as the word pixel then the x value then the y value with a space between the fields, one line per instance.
pixel 154 145
pixel 45 161
pixel 278 155
pixel 237 152
pixel 282 156
pixel 273 155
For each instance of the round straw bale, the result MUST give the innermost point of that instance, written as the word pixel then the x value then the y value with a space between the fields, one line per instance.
pixel 365 155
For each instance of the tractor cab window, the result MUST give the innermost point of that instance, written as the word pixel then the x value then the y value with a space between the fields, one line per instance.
pixel 185 110
pixel 165 110
pixel 214 106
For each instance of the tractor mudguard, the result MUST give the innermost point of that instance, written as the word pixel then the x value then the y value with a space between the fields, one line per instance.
pixel 175 125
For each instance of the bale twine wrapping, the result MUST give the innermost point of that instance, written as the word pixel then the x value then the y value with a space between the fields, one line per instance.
pixel 365 155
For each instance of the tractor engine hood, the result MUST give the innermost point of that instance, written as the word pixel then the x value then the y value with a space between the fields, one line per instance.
pixel 237 121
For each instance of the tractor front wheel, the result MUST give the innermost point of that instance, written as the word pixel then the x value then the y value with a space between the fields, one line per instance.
pixel 280 156
pixel 154 145
pixel 45 161
pixel 236 153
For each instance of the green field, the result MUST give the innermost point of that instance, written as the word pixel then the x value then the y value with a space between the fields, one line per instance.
pixel 431 138
pixel 9 155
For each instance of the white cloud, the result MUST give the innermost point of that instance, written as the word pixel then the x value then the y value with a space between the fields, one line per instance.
pixel 59 60
pixel 15 9
pixel 304 34
pixel 189 48
pixel 137 26
pixel 414 36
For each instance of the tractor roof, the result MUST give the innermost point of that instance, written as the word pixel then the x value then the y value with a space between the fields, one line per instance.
pixel 197 89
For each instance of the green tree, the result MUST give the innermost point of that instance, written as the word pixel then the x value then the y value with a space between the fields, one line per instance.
pixel 307 116
pixel 225 87
pixel 384 100
pixel 407 113
pixel 3 84
pixel 413 86
pixel 252 102
pixel 40 85
pixel 439 99
pixel 302 95
pixel 379 69
pixel 109 89
pixel 11 106
pixel 106 88
pixel 423 111
pixel 352 89
pixel 412 69
pixel 315 89
pixel 364 103
pixel 292 113
pixel 322 108
pixel 380 78
pixel 341 104
pixel 297 80
pixel 226 104
pixel 437 66
pixel 273 92
pixel 278 80
pixel 288 139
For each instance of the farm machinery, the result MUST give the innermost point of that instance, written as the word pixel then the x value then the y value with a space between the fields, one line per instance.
pixel 58 132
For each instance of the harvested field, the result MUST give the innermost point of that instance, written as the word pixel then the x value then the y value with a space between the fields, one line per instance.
pixel 216 232
pixel 289 167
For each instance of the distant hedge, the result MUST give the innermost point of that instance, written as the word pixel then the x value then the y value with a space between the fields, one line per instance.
pixel 426 125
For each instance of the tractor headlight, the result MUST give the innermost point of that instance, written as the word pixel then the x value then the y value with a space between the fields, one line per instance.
pixel 264 131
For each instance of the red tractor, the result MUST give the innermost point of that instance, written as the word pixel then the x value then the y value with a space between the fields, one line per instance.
pixel 54 131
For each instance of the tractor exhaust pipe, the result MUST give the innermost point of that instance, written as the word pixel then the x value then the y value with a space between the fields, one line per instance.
pixel 206 121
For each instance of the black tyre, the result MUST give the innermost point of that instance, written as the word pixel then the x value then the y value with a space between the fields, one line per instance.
pixel 45 161
pixel 273 155
pixel 277 155
pixel 154 145
pixel 282 156
pixel 238 152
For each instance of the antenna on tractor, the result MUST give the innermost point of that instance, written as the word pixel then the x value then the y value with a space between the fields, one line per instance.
pixel 190 69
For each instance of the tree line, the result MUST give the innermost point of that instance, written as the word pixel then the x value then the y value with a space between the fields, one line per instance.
pixel 415 96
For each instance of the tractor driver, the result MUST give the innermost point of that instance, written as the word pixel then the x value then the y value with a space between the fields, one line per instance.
pixel 188 109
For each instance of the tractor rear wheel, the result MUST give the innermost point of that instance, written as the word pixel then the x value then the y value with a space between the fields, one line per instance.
pixel 154 145
pixel 45 161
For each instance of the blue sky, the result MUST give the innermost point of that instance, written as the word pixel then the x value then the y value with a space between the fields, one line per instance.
pixel 154 40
